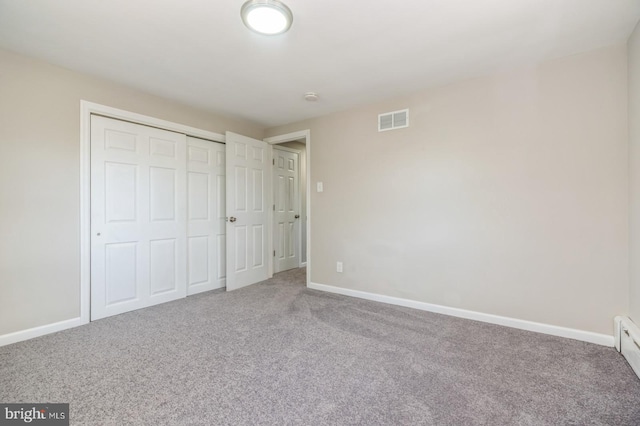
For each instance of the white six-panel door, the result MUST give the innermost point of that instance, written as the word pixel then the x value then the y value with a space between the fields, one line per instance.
pixel 248 195
pixel 286 214
pixel 138 216
pixel 206 246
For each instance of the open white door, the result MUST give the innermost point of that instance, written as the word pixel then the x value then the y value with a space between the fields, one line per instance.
pixel 286 214
pixel 248 193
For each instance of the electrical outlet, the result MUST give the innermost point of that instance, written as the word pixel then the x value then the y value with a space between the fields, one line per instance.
pixel 338 266
pixel 319 187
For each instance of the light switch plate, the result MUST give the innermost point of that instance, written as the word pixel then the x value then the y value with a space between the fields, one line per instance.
pixel 319 187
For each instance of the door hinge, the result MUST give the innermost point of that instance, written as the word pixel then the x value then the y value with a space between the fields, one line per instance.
pixel 274 207
pixel 274 253
pixel 273 161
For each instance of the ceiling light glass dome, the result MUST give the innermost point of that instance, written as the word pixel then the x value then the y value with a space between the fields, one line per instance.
pixel 268 17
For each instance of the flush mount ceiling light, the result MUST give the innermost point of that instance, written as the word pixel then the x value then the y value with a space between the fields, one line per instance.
pixel 268 17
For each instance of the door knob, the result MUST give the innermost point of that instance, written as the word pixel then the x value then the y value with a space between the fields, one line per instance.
pixel 297 216
pixel 232 219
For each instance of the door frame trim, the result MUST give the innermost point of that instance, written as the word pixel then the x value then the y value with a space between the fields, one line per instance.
pixel 86 110
pixel 289 137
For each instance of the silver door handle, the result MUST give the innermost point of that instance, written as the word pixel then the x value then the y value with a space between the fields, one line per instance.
pixel 232 219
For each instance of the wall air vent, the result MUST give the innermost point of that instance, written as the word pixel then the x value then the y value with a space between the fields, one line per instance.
pixel 393 120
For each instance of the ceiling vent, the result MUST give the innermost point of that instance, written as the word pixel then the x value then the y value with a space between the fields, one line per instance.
pixel 393 120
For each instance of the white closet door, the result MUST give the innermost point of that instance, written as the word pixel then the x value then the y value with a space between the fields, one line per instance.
pixel 286 199
pixel 138 216
pixel 206 244
pixel 248 197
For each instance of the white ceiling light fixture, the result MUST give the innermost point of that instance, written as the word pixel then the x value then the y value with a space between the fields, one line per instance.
pixel 269 17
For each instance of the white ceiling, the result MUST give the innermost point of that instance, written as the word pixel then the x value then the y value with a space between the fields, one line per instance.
pixel 349 51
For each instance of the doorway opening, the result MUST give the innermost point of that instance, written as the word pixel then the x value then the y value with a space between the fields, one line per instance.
pixel 291 195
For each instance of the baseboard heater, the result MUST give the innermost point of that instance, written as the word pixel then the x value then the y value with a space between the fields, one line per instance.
pixel 627 341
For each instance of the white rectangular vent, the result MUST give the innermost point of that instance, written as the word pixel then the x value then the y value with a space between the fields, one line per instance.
pixel 393 120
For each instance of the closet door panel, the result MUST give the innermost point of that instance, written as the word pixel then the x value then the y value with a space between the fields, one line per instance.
pixel 205 212
pixel 138 216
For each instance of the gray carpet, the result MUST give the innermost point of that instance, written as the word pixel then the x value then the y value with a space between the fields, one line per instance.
pixel 278 353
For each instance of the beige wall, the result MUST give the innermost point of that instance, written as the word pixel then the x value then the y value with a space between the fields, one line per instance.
pixel 507 195
pixel 634 162
pixel 39 181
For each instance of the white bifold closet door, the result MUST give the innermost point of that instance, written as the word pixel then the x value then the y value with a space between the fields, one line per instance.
pixel 206 244
pixel 138 216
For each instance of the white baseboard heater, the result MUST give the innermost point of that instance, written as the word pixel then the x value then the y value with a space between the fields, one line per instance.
pixel 627 341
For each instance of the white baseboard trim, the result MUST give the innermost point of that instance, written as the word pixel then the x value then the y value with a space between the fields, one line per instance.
pixel 19 336
pixel 570 333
